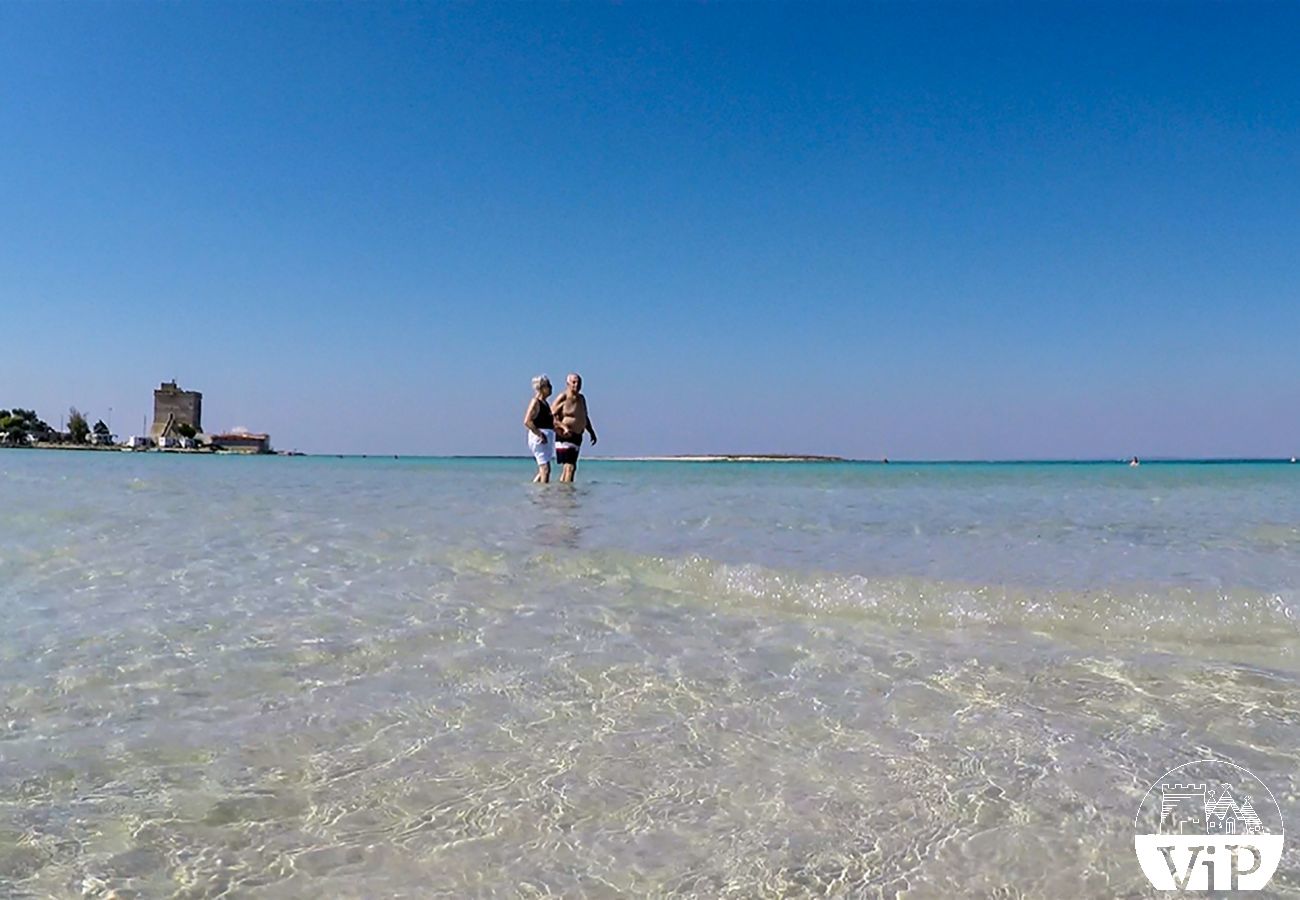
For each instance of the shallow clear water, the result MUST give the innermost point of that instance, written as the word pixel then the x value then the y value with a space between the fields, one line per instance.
pixel 363 677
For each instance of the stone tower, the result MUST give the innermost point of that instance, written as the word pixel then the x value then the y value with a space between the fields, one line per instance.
pixel 172 406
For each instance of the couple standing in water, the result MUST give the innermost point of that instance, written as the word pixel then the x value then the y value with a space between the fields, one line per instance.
pixel 555 429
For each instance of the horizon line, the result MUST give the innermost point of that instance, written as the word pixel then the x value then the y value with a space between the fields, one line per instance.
pixel 827 460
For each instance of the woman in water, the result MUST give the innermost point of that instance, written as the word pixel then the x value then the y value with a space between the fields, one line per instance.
pixel 541 429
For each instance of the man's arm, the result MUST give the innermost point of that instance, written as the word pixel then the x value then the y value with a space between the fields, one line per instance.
pixel 591 429
pixel 557 413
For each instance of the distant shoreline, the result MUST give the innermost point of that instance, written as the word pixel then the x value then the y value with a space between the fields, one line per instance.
pixel 696 457
pixel 42 445
pixel 121 448
pixel 728 457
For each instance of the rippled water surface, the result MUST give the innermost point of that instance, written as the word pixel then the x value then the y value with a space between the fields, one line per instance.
pixel 369 678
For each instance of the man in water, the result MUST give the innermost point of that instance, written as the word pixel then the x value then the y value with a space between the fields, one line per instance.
pixel 571 420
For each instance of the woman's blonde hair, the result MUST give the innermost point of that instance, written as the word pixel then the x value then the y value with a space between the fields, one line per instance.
pixel 539 380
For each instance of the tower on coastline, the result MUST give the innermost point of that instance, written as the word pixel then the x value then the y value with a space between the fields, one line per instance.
pixel 173 406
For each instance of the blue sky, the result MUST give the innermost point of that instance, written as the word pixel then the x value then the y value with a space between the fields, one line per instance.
pixel 920 230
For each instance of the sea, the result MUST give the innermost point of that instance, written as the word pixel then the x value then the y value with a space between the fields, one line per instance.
pixel 377 677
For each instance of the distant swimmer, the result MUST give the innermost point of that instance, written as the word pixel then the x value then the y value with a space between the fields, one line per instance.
pixel 1134 462
pixel 541 429
pixel 571 421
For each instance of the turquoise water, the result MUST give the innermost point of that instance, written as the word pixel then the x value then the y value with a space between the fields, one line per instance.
pixel 294 677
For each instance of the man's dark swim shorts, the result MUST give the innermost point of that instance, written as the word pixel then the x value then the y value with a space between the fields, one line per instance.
pixel 566 449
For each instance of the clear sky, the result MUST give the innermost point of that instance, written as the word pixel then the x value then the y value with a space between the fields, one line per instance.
pixel 920 230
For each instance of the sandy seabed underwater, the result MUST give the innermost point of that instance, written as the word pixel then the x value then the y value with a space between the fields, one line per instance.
pixel 317 677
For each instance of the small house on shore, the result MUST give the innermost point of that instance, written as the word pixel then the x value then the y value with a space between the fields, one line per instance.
pixel 242 442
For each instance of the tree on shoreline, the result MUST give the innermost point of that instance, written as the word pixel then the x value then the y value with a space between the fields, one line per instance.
pixel 17 424
pixel 77 427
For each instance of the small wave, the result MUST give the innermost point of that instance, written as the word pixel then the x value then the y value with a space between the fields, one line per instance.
pixel 1184 619
pixel 1277 536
